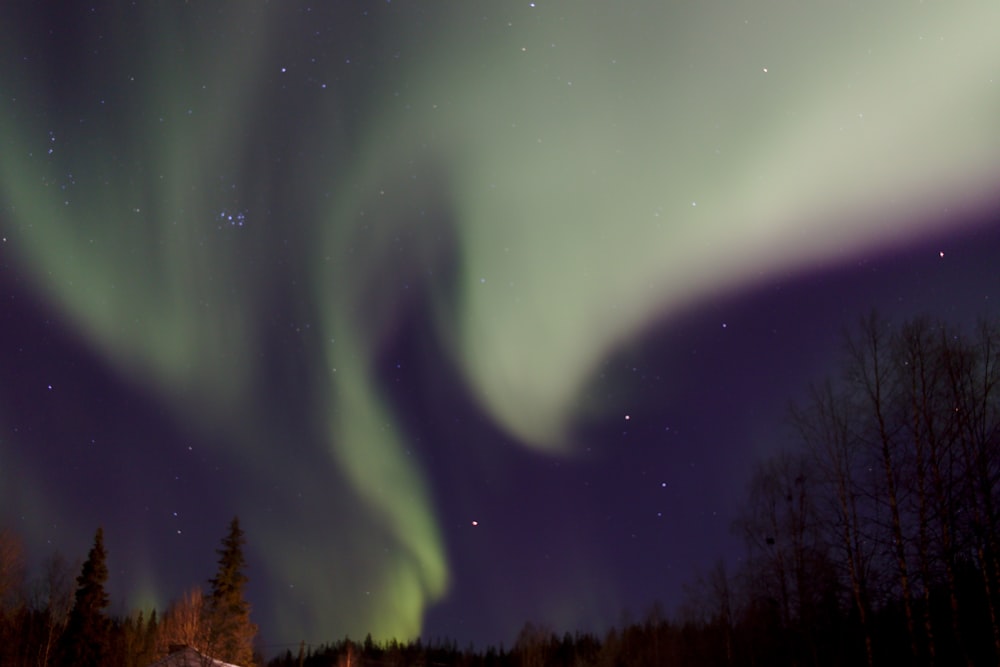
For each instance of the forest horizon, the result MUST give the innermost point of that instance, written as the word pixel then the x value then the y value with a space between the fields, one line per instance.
pixel 874 542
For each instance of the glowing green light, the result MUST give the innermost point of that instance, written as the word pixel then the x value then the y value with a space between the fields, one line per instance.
pixel 603 164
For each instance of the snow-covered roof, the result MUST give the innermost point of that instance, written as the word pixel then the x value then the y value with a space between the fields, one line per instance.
pixel 190 657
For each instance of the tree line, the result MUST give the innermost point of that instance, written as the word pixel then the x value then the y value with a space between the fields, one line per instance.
pixel 49 623
pixel 875 540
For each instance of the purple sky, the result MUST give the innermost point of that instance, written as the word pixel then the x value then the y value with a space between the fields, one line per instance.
pixel 92 432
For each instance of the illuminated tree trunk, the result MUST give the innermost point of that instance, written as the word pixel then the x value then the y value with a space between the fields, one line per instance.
pixel 57 592
pixel 185 624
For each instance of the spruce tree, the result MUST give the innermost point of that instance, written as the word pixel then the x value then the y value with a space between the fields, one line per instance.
pixel 86 641
pixel 231 633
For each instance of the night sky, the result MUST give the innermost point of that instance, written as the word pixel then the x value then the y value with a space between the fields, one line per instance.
pixel 475 313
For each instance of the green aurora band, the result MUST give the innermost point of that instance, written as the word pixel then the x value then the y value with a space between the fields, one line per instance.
pixel 603 164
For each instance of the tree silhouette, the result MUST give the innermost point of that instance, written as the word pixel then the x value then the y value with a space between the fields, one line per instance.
pixel 231 633
pixel 905 449
pixel 86 640
pixel 827 431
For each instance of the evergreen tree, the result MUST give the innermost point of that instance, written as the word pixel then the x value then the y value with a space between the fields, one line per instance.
pixel 231 633
pixel 86 640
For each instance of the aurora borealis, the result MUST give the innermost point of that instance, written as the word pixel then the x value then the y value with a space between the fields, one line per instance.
pixel 364 273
